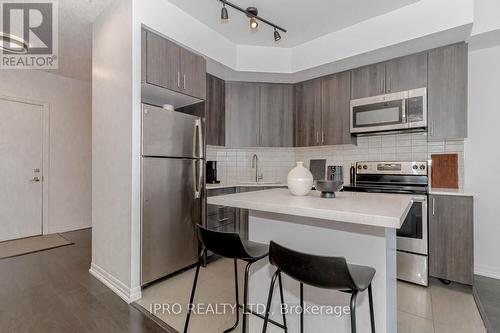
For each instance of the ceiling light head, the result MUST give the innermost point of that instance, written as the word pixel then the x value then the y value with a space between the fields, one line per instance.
pixel 277 36
pixel 254 24
pixel 224 16
pixel 252 12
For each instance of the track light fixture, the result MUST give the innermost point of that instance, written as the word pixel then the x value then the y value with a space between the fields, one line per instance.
pixel 277 36
pixel 252 13
pixel 224 16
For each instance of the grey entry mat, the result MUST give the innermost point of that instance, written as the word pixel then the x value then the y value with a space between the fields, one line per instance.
pixel 17 247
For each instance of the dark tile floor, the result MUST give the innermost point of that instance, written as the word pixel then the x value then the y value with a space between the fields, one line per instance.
pixel 52 291
pixel 487 294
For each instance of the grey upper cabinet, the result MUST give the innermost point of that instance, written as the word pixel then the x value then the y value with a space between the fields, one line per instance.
pixel 242 114
pixel 276 115
pixel 170 66
pixel 308 130
pixel 447 93
pixel 368 81
pixel 395 75
pixel 406 73
pixel 162 62
pixel 193 71
pixel 215 110
pixel 335 98
pixel 451 249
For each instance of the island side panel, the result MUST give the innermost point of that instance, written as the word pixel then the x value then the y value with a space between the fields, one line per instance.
pixel 364 245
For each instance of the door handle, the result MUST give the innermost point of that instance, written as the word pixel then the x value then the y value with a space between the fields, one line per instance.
pixel 200 138
pixel 184 82
pixel 178 79
pixel 433 206
pixel 198 178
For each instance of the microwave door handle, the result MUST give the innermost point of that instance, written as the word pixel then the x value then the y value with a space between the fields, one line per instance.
pixel 403 111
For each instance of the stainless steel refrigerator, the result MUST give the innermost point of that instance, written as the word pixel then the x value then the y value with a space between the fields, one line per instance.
pixel 172 189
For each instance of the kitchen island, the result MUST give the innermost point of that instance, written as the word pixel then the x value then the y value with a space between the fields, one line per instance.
pixel 358 226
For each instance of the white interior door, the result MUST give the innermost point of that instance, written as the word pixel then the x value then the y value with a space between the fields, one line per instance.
pixel 21 157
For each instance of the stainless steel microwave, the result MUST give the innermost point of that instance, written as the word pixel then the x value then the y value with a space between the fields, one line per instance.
pixel 391 112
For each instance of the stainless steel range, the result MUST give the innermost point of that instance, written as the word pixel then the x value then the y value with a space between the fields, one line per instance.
pixel 412 238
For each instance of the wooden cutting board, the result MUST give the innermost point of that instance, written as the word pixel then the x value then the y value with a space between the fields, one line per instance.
pixel 444 172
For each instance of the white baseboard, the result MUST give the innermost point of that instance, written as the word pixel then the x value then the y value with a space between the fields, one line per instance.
pixel 488 271
pixel 129 295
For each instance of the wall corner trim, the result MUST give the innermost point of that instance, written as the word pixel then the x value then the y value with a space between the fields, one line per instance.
pixel 129 295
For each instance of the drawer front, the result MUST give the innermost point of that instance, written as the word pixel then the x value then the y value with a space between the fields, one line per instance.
pixel 221 191
pixel 226 228
pixel 250 188
pixel 224 215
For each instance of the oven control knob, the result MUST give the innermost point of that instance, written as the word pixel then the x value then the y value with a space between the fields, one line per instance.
pixel 422 167
pixel 365 167
pixel 359 167
pixel 415 167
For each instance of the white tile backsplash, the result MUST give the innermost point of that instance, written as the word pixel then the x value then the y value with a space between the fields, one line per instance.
pixel 235 164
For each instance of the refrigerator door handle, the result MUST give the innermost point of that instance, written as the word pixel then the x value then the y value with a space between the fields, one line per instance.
pixel 200 137
pixel 198 179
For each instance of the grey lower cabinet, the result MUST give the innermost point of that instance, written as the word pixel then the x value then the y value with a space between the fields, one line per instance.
pixel 230 219
pixel 215 111
pixel 221 218
pixel 447 93
pixel 168 65
pixel 451 251
pixel 259 114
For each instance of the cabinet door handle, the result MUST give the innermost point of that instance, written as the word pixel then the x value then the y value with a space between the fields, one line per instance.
pixel 317 137
pixel 433 206
pixel 184 83
pixel 382 86
pixel 178 79
pixel 390 85
pixel 322 136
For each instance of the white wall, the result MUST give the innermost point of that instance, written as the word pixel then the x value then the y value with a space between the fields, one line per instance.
pixel 482 157
pixel 69 171
pixel 112 166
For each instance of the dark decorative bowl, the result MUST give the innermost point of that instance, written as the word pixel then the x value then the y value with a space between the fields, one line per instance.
pixel 328 187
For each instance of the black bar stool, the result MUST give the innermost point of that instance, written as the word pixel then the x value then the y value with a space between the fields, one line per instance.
pixel 321 272
pixel 230 245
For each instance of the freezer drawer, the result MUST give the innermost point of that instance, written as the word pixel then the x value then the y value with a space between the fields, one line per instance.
pixel 170 133
pixel 170 211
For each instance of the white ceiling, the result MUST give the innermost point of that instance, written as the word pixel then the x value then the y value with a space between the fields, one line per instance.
pixel 75 36
pixel 305 20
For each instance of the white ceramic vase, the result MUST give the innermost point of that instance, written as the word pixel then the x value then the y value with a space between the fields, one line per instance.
pixel 300 180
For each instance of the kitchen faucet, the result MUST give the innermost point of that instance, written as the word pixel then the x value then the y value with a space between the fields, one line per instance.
pixel 255 164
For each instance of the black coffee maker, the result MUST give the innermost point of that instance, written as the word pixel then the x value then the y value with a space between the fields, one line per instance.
pixel 212 172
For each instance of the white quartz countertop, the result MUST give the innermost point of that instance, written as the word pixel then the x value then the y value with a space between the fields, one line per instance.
pixel 244 184
pixel 451 191
pixel 375 209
